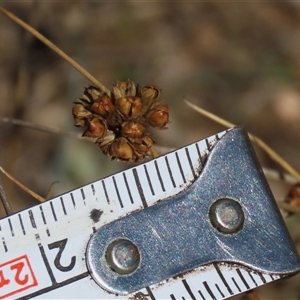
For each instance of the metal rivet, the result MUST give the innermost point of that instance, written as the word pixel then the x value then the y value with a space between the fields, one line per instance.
pixel 122 256
pixel 226 215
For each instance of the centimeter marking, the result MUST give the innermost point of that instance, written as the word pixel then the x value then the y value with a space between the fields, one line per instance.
pixel 43 227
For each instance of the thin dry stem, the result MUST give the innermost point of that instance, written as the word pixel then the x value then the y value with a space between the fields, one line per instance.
pixel 49 191
pixel 23 187
pixel 42 128
pixel 3 197
pixel 275 156
pixel 53 47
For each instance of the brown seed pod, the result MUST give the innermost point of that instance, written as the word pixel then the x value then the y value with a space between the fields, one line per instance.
pixel 158 117
pixel 133 130
pixel 150 92
pixel 80 114
pixel 129 106
pixel 96 128
pixel 102 106
pixel 124 89
pixel 121 149
pixel 91 94
pixel 143 145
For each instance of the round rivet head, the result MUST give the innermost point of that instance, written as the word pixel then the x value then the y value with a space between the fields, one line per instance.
pixel 226 215
pixel 122 256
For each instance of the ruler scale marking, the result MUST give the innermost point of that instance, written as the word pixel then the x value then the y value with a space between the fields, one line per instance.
pixel 190 162
pixel 139 187
pixel 187 287
pixel 32 218
pixel 251 276
pixel 105 191
pixel 201 295
pixel 148 179
pixel 117 191
pixel 159 176
pixel 63 205
pixel 10 227
pixel 223 278
pixel 170 172
pixel 93 189
pixel 73 201
pixel 236 285
pixel 127 187
pixel 180 167
pixel 21 223
pixel 243 279
pixel 209 290
pixel 218 288
pixel 263 279
pixel 150 293
pixel 83 195
pixel 42 214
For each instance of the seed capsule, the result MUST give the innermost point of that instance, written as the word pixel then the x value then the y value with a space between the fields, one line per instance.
pixel 91 93
pixel 143 145
pixel 150 92
pixel 120 149
pixel 80 114
pixel 124 89
pixel 158 117
pixel 102 106
pixel 129 106
pixel 95 128
pixel 133 130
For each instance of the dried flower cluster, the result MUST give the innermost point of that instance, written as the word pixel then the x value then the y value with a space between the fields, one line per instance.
pixel 118 122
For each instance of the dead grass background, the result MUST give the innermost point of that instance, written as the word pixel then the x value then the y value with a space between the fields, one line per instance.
pixel 238 60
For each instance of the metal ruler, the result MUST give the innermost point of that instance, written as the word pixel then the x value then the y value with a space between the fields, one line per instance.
pixel 197 223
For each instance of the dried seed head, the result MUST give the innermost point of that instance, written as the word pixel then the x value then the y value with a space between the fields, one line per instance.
pixel 158 117
pixel 120 149
pixel 129 106
pixel 118 123
pixel 102 106
pixel 96 128
pixel 133 130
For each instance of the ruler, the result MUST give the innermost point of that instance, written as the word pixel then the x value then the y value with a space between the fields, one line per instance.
pixel 197 223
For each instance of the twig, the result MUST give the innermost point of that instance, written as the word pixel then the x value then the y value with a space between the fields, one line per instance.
pixel 276 157
pixel 4 200
pixel 53 47
pixel 23 187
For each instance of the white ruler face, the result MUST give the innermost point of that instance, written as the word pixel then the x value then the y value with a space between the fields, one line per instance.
pixel 43 249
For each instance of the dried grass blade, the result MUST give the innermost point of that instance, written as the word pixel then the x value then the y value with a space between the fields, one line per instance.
pixel 53 47
pixel 23 187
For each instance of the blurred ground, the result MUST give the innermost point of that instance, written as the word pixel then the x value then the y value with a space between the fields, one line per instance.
pixel 238 60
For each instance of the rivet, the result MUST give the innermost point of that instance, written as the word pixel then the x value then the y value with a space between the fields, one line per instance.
pixel 226 215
